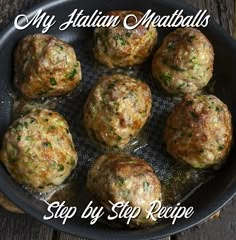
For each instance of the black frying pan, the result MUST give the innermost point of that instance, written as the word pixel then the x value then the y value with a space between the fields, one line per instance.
pixel 206 199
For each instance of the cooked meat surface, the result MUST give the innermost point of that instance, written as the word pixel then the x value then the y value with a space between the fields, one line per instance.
pixel 45 66
pixel 38 150
pixel 120 47
pixel 116 109
pixel 199 131
pixel 184 62
pixel 122 178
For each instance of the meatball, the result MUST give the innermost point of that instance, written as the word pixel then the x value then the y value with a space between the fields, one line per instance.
pixel 38 150
pixel 121 178
pixel 184 62
pixel 199 131
pixel 45 66
pixel 120 47
pixel 116 109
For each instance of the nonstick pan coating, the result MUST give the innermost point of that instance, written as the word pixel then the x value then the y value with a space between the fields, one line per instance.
pixel 179 181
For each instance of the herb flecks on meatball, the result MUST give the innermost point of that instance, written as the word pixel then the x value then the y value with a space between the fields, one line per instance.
pixel 122 178
pixel 199 131
pixel 116 109
pixel 184 62
pixel 38 150
pixel 45 66
pixel 119 47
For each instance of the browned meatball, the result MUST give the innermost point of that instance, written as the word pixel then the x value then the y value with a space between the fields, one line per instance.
pixel 184 62
pixel 117 46
pixel 199 131
pixel 116 109
pixel 45 66
pixel 38 150
pixel 121 178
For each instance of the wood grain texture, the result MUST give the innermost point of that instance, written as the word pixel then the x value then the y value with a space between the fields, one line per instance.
pixel 234 20
pixel 10 8
pixel 22 227
pixel 64 236
pixel 8 205
pixel 226 11
pixel 223 12
pixel 223 228
pixel 210 5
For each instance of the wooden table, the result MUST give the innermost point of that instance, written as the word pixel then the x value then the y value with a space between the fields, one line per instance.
pixel 23 227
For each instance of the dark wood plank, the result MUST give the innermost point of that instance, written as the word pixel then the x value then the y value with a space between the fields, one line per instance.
pixel 10 8
pixel 222 228
pixel 210 5
pixel 234 21
pixel 8 205
pixel 226 10
pixel 223 12
pixel 22 227
pixel 64 236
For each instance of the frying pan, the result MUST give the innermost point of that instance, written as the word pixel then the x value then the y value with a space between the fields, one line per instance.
pixel 207 197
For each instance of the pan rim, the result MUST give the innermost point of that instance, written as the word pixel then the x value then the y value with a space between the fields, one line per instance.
pixel 140 234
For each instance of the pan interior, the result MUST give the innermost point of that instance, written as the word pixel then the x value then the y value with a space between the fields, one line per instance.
pixel 179 181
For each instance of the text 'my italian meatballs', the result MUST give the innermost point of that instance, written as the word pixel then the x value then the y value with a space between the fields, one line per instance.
pixel 184 62
pixel 120 47
pixel 38 150
pixel 199 131
pixel 116 109
pixel 121 178
pixel 45 66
